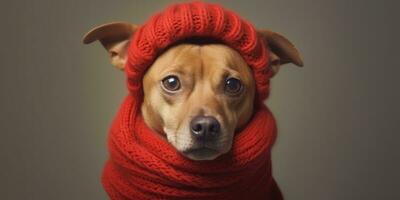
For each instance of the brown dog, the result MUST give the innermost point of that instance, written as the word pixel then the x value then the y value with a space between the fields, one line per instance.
pixel 196 95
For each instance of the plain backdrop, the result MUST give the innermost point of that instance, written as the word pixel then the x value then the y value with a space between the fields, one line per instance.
pixel 338 117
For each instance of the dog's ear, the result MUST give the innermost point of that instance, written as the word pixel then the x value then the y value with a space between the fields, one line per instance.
pixel 115 39
pixel 282 50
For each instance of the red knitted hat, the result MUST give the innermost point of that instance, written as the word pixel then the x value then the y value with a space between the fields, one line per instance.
pixel 197 20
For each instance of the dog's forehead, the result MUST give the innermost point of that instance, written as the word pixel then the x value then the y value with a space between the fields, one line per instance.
pixel 211 58
pixel 222 56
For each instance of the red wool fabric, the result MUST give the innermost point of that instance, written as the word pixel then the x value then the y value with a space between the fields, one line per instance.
pixel 143 166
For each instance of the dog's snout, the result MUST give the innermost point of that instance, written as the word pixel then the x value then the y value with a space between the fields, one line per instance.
pixel 204 128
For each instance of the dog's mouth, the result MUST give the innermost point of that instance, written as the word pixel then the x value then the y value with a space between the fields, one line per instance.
pixel 202 153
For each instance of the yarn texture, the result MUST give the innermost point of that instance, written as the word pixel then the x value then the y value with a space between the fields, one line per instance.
pixel 142 165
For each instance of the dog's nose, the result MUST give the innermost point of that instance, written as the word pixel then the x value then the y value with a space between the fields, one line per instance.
pixel 204 128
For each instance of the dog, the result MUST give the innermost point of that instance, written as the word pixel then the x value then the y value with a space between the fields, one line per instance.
pixel 197 95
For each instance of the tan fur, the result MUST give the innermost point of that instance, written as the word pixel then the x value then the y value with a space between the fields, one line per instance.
pixel 202 70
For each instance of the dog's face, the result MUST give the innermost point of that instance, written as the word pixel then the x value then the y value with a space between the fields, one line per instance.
pixel 197 96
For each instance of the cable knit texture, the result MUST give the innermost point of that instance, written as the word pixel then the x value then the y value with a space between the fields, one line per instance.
pixel 144 166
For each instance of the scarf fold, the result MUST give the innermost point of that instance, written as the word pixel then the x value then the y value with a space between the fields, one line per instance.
pixel 143 165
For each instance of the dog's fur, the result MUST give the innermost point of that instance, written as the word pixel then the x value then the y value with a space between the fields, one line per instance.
pixel 202 71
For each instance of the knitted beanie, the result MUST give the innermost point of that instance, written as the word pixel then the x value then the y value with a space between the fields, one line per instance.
pixel 184 21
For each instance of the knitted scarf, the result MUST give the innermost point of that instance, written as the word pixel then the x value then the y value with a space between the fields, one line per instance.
pixel 143 165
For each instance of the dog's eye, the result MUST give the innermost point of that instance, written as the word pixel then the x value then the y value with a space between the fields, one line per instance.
pixel 233 86
pixel 171 83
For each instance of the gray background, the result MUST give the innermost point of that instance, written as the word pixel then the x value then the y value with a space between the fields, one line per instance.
pixel 338 116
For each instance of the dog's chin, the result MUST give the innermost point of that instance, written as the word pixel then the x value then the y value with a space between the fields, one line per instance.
pixel 201 154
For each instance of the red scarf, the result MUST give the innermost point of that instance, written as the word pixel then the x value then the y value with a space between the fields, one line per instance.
pixel 145 166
